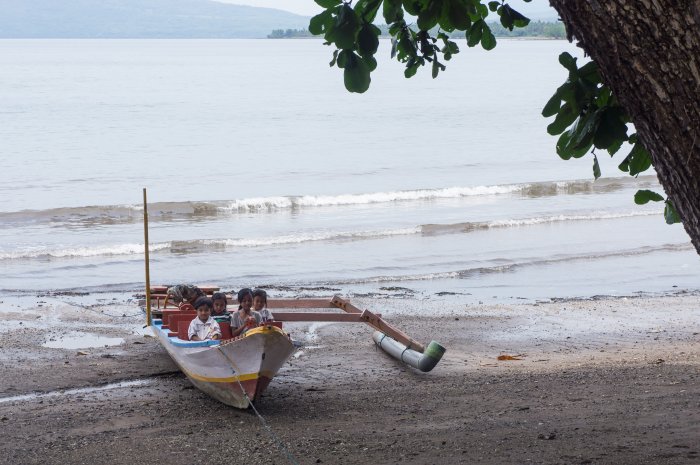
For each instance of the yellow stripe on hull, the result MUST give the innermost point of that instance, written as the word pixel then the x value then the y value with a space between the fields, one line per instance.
pixel 231 379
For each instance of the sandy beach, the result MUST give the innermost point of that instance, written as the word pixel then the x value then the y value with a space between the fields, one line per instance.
pixel 606 380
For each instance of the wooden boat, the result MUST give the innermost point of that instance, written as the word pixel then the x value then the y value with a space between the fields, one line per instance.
pixel 237 370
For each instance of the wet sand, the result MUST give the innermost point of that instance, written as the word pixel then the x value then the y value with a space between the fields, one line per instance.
pixel 598 381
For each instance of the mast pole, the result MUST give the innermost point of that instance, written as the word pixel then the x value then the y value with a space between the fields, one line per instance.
pixel 145 246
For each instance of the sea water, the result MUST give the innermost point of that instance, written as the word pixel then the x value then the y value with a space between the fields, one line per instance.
pixel 262 170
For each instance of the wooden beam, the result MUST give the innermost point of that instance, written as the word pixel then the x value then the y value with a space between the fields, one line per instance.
pixel 319 316
pixel 300 303
pixel 376 322
pixel 344 305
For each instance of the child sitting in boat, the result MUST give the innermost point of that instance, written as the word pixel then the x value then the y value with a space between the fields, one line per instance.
pixel 219 300
pixel 244 318
pixel 260 305
pixel 204 327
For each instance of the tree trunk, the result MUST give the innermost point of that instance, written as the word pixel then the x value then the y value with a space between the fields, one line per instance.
pixel 648 52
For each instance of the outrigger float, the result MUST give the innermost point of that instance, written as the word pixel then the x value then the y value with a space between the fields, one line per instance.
pixel 237 370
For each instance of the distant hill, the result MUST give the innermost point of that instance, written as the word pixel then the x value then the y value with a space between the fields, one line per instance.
pixel 140 19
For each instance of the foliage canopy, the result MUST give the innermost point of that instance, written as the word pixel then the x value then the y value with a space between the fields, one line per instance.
pixel 587 116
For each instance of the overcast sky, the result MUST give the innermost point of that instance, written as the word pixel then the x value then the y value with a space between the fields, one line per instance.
pixel 536 9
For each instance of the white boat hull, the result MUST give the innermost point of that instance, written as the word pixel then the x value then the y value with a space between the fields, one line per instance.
pixel 235 371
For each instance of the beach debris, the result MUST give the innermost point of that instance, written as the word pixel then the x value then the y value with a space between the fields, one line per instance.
pixel 82 352
pixel 547 437
pixel 511 357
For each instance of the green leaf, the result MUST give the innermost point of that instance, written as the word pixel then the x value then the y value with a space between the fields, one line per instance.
pixel 612 128
pixel 511 18
pixel 411 70
pixel 318 22
pixel 457 14
pixel 568 62
pixel 475 31
pixel 625 165
pixel 367 9
pixel 343 57
pixel 356 75
pixel 565 148
pixel 614 147
pixel 596 167
pixel 589 72
pixel 327 3
pixel 392 11
pixel 335 58
pixel 371 62
pixel 506 20
pixel 583 131
pixel 347 25
pixel 429 17
pixel 639 159
pixel 488 40
pixel 564 119
pixel 644 196
pixel 493 6
pixel 368 39
pixel 670 213
pixel 552 106
pixel 413 7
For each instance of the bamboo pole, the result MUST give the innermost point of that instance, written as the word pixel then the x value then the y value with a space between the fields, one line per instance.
pixel 145 246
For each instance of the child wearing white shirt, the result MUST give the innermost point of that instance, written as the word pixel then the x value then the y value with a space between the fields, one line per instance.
pixel 204 327
pixel 260 305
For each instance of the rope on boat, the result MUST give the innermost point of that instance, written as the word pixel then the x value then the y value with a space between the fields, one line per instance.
pixel 275 438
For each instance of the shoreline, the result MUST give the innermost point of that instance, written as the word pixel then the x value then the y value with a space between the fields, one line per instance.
pixel 599 381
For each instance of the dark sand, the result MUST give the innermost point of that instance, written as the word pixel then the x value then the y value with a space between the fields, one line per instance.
pixel 612 381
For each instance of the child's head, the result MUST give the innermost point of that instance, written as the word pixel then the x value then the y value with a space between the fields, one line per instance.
pixel 259 299
pixel 219 302
pixel 245 299
pixel 203 305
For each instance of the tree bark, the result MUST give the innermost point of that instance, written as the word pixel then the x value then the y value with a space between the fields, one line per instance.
pixel 648 52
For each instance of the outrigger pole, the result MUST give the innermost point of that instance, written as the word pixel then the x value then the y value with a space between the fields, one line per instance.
pixel 145 247
pixel 393 341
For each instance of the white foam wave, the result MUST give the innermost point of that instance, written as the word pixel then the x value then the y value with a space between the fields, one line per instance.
pixel 561 218
pixel 532 221
pixel 310 237
pixel 198 245
pixel 278 203
pixel 78 252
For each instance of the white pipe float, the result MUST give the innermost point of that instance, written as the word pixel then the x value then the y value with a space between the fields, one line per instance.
pixel 424 361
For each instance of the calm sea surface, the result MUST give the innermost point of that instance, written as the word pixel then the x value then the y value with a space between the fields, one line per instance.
pixel 263 171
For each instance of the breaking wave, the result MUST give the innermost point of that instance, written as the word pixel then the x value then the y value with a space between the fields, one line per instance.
pixel 199 245
pixel 465 227
pixel 513 266
pixel 204 245
pixel 165 211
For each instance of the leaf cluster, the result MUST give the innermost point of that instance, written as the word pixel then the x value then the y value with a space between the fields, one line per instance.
pixel 587 116
pixel 429 41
